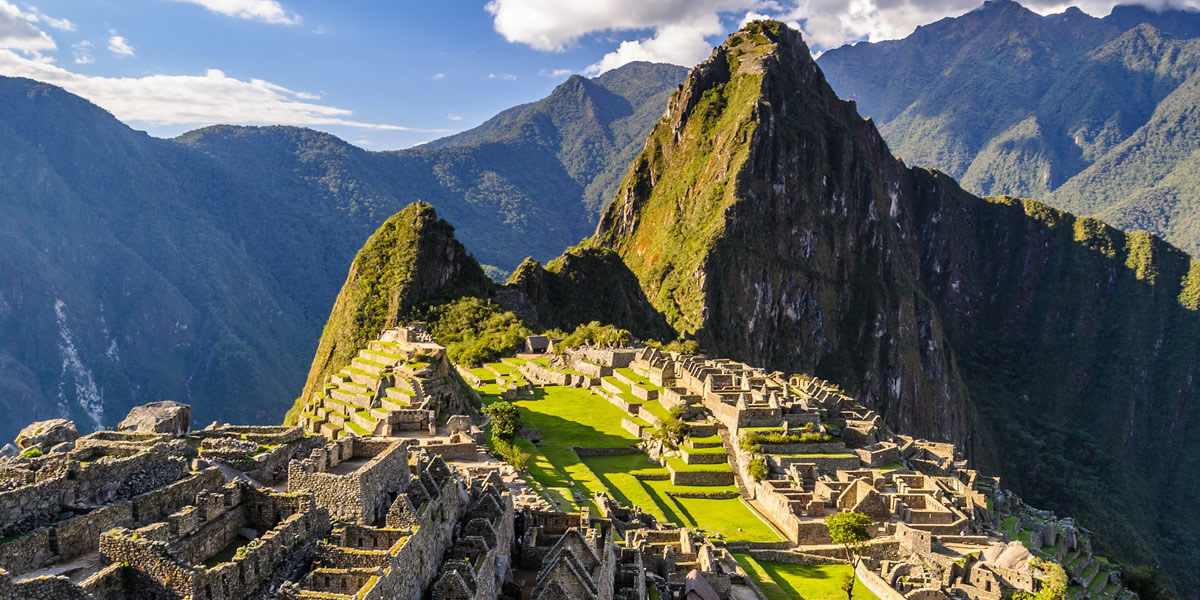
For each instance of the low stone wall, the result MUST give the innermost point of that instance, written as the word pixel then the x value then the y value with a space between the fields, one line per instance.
pixel 827 463
pixel 794 558
pixel 453 451
pixel 726 495
pixel 633 428
pixel 702 477
pixel 876 584
pixel 591 369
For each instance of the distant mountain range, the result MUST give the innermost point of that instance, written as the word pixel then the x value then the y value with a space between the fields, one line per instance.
pixel 201 269
pixel 1094 115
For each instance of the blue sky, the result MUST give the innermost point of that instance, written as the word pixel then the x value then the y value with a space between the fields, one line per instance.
pixel 388 74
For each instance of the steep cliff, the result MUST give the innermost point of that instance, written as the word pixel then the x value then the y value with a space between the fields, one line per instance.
pixel 413 259
pixel 770 221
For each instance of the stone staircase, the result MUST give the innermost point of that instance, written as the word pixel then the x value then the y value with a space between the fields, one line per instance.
pixel 357 399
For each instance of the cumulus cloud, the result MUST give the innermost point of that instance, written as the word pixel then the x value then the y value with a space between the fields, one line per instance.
pixel 453 117
pixel 193 100
pixel 18 32
pixel 683 31
pixel 265 11
pixel 554 72
pixel 82 53
pixel 439 75
pixel 117 44
pixel 504 76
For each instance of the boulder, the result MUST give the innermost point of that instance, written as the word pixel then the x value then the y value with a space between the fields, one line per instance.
pixel 62 448
pixel 46 434
pixel 8 451
pixel 167 416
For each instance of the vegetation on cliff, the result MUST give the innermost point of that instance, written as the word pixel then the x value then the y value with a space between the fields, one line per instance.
pixel 412 261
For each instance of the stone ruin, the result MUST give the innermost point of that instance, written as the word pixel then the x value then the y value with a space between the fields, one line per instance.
pixel 330 510
pixel 395 386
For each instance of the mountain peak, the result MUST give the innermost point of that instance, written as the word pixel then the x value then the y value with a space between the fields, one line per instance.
pixel 412 259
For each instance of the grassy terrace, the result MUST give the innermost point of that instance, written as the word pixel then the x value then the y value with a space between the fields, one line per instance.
pixel 482 373
pixel 656 408
pixel 545 362
pixel 568 417
pixel 780 581
pixel 678 465
pixel 627 395
pixel 503 369
pixel 642 381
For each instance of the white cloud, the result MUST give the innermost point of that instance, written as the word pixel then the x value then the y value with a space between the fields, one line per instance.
pixel 504 76
pixel 453 117
pixel 82 53
pixel 192 100
pixel 40 17
pixel 683 31
pixel 18 32
pixel 439 75
pixel 554 72
pixel 117 44
pixel 266 11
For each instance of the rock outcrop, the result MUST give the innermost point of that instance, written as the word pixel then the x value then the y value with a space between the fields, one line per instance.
pixel 167 416
pixel 44 435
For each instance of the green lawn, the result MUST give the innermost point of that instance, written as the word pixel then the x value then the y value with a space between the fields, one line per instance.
pixel 568 417
pixel 781 581
pixel 732 518
pixel 503 368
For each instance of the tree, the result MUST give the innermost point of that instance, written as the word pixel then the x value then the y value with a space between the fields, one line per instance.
pixel 850 529
pixel 847 585
pixel 506 420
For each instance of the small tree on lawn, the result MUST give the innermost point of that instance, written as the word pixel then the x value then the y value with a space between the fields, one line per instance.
pixel 851 530
pixel 506 420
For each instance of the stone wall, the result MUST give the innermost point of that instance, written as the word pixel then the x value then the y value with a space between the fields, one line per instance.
pixel 702 477
pixel 244 572
pixel 66 481
pixel 362 496
pixel 80 535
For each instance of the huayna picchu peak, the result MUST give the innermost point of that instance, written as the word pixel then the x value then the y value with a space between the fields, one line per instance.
pixel 768 221
pixel 786 365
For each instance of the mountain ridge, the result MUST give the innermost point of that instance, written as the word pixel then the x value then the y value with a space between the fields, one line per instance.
pixel 1011 102
pixel 201 269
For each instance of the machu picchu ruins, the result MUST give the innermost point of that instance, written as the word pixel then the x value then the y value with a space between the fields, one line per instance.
pixel 650 474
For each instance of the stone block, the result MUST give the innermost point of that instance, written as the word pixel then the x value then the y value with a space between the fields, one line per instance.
pixel 174 418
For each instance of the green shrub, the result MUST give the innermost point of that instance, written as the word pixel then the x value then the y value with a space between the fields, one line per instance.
pixel 758 469
pixel 475 331
pixel 596 334
pixel 674 429
pixel 753 441
pixel 506 420
pixel 31 453
pixel 510 453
